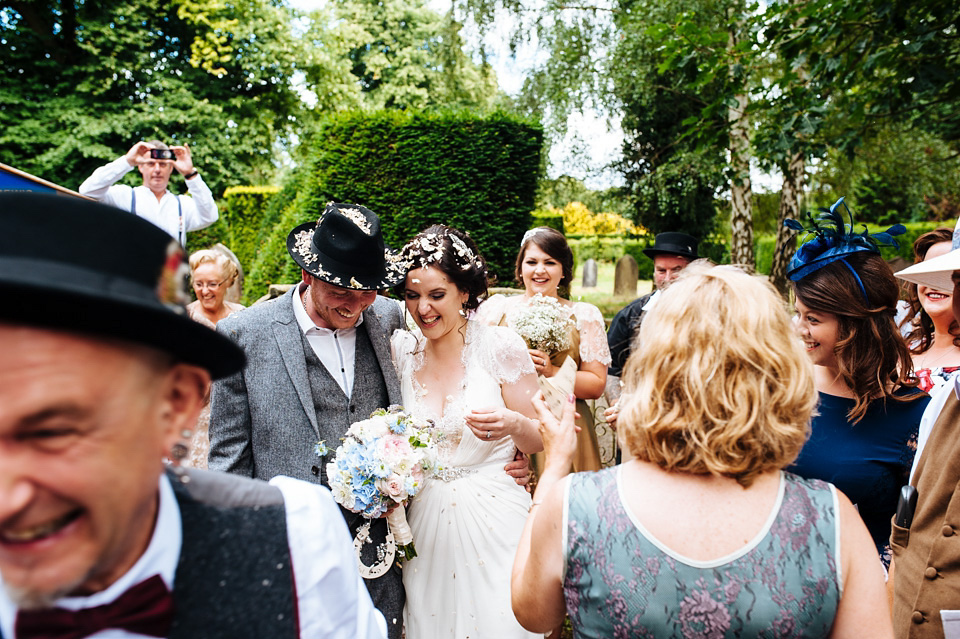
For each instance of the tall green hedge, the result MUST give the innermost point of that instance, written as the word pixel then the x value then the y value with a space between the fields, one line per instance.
pixel 476 173
pixel 244 209
pixel 242 217
pixel 551 220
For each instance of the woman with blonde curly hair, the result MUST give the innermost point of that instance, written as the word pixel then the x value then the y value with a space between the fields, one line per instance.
pixel 702 533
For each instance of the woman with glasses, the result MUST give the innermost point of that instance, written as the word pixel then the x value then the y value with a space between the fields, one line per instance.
pixel 211 273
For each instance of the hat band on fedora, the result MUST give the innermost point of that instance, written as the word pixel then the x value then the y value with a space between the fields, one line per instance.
pixel 77 280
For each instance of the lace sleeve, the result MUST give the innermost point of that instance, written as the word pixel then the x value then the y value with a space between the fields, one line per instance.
pixel 593 336
pixel 492 310
pixel 505 355
pixel 402 344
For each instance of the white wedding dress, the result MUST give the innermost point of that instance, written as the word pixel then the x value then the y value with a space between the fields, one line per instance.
pixel 467 523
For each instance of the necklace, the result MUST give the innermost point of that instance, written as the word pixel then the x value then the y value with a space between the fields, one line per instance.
pixel 303 300
pixel 930 362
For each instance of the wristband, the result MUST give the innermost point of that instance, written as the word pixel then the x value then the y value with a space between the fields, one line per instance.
pixel 190 175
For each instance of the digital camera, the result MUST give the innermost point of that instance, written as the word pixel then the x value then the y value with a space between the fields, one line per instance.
pixel 162 154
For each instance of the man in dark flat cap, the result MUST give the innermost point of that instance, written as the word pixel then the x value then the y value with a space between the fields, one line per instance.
pixel 102 376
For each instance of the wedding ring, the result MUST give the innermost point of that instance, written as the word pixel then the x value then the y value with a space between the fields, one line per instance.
pixel 488 434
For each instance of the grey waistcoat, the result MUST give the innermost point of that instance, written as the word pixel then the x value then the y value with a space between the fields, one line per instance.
pixel 335 412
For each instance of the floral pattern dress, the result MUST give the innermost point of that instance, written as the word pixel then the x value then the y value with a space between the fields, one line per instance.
pixel 619 581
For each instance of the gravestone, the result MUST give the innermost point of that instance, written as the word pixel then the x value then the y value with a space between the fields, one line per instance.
pixel 590 273
pixel 625 277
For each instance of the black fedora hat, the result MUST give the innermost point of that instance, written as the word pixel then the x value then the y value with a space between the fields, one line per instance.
pixel 80 266
pixel 673 244
pixel 345 248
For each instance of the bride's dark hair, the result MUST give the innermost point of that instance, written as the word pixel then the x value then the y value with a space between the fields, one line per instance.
pixel 455 254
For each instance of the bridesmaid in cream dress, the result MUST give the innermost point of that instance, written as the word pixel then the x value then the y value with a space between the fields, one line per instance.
pixel 475 382
pixel 544 264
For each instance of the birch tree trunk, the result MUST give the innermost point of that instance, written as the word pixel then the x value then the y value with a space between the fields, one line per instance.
pixel 790 191
pixel 741 211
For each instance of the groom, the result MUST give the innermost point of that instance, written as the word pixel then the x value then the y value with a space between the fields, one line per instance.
pixel 318 360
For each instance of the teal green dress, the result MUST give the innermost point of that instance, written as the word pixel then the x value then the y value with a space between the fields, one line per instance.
pixel 619 583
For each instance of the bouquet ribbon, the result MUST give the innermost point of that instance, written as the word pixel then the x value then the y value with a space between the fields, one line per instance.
pixel 397 522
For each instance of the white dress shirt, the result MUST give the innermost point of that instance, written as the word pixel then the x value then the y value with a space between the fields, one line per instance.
pixel 336 349
pixel 332 600
pixel 199 211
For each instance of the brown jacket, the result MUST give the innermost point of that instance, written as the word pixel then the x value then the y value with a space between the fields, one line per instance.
pixel 927 555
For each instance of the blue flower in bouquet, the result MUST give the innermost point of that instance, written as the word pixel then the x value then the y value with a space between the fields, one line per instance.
pixel 382 462
pixel 411 485
pixel 376 509
pixel 395 424
pixel 379 469
pixel 366 493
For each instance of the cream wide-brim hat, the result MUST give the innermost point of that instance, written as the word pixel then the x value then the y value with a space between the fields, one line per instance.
pixel 938 272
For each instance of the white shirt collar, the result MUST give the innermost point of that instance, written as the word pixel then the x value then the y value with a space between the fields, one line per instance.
pixel 956 379
pixel 652 301
pixel 303 320
pixel 161 557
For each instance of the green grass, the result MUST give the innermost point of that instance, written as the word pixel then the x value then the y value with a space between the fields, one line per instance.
pixel 602 295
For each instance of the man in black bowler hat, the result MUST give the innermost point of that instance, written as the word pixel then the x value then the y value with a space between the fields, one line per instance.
pixel 102 377
pixel 318 360
pixel 671 252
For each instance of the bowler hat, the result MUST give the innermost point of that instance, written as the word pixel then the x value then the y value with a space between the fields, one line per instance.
pixel 673 244
pixel 76 265
pixel 345 248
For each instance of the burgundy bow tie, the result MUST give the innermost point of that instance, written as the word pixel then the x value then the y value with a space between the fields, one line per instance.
pixel 145 609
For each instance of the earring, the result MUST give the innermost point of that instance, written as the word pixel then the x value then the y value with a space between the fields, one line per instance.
pixel 179 452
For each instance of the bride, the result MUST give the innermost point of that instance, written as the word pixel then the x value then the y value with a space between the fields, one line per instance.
pixel 475 382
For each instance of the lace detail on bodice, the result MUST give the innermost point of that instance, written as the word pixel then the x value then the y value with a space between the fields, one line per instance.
pixel 448 426
pixel 491 357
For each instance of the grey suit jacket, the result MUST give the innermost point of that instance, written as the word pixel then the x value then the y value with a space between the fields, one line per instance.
pixel 262 419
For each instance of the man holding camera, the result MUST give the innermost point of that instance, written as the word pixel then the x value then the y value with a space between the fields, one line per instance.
pixel 175 214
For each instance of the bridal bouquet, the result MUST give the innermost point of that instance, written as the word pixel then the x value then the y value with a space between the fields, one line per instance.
pixel 381 463
pixel 543 324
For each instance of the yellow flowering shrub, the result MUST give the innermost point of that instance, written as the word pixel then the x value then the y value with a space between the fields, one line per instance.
pixel 578 219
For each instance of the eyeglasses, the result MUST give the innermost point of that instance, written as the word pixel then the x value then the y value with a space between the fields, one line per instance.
pixel 207 285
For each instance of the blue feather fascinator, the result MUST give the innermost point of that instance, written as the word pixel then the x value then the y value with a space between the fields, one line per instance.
pixel 833 240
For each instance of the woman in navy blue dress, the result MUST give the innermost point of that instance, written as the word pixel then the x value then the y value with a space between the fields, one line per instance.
pixel 864 438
